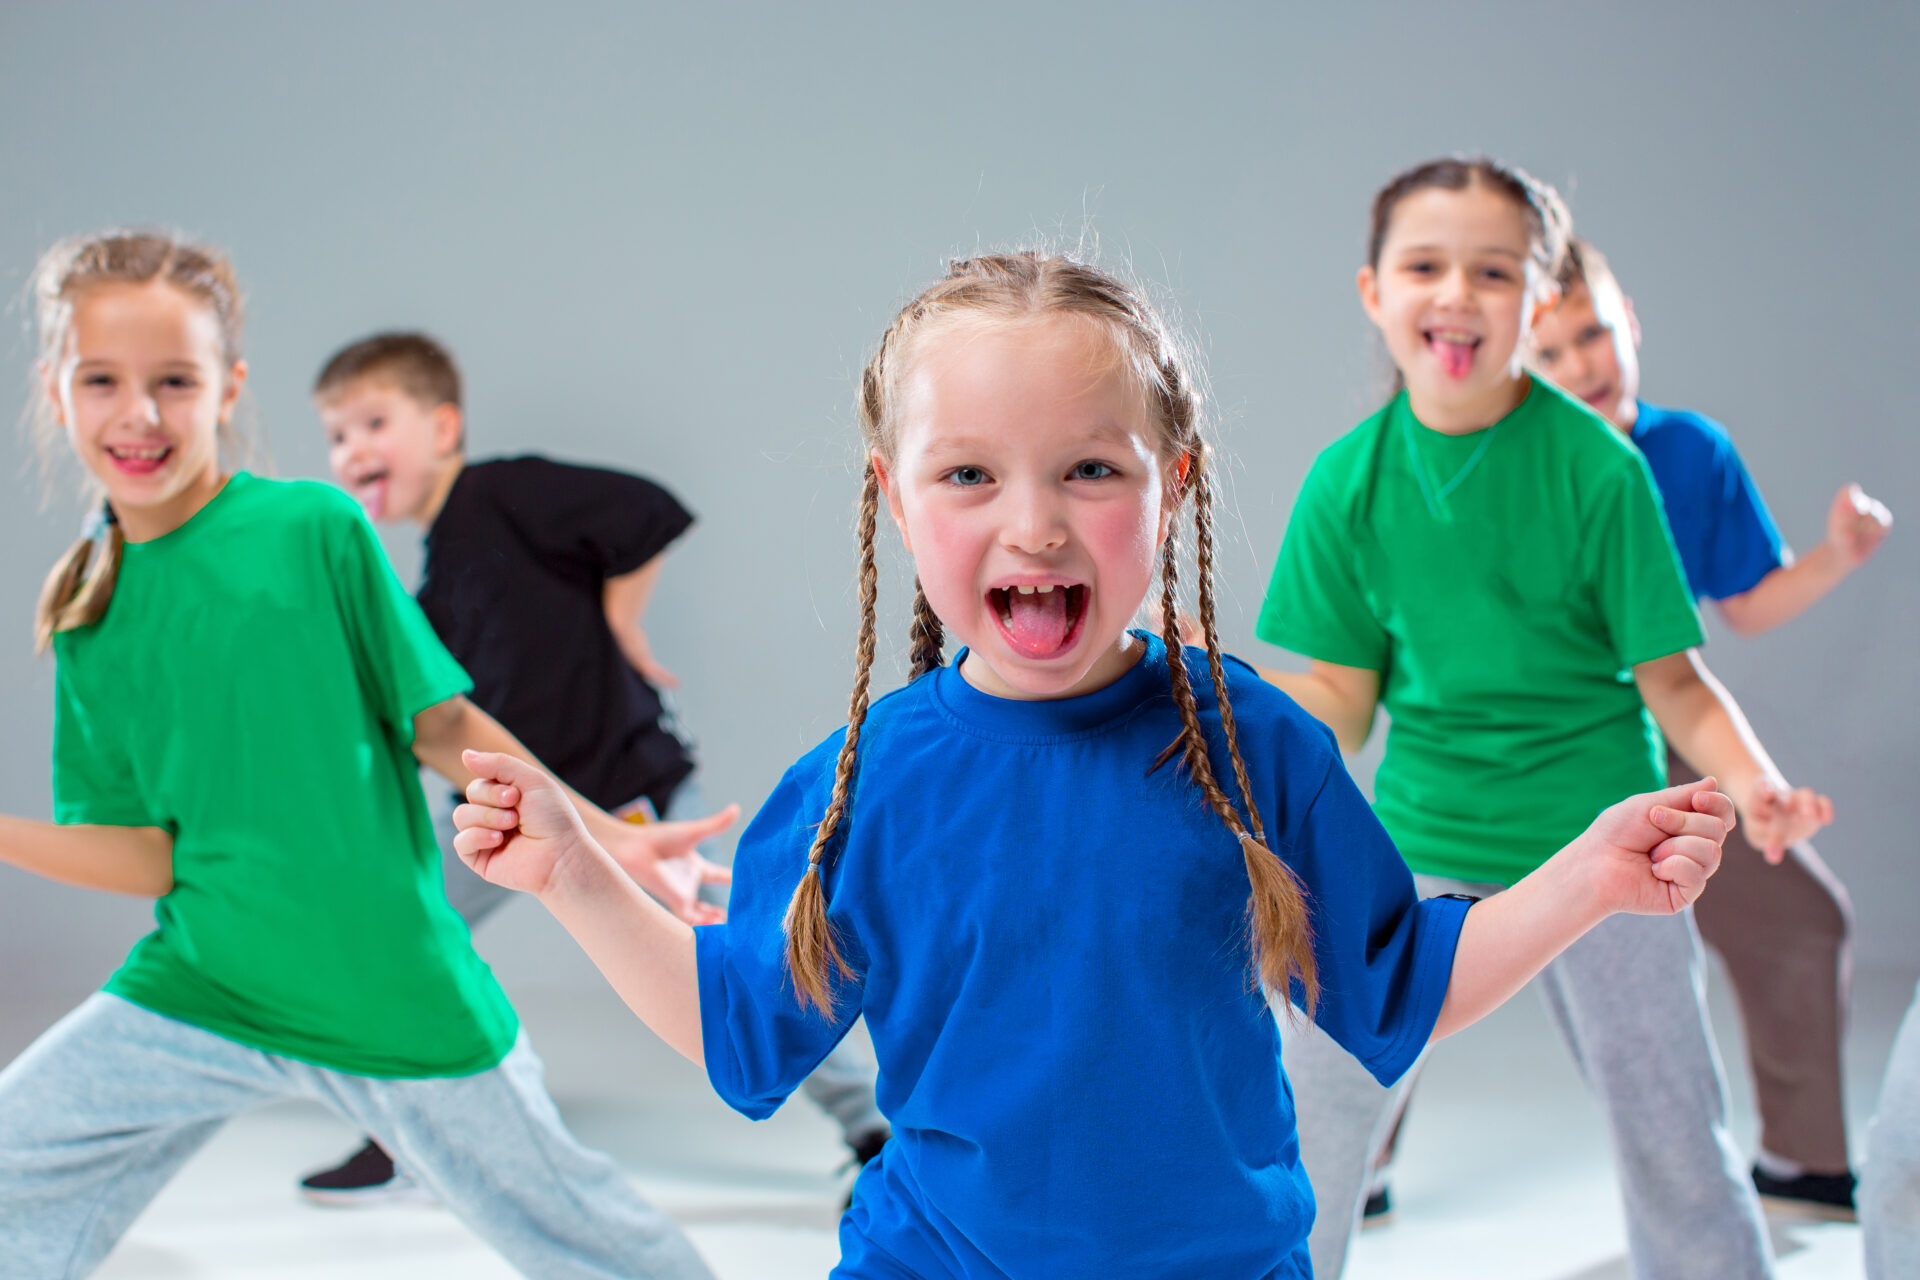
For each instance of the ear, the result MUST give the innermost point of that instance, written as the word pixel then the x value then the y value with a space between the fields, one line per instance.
pixel 892 495
pixel 50 385
pixel 448 426
pixel 1633 321
pixel 230 394
pixel 1369 285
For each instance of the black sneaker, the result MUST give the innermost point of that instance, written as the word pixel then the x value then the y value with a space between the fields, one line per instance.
pixel 1828 1196
pixel 1378 1210
pixel 864 1150
pixel 367 1176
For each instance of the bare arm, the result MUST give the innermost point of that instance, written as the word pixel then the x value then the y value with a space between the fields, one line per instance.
pixel 1648 855
pixel 132 860
pixel 1705 725
pixel 660 855
pixel 1856 526
pixel 625 601
pixel 519 831
pixel 1341 698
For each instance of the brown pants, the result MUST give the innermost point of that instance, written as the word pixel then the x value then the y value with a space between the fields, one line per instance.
pixel 1784 934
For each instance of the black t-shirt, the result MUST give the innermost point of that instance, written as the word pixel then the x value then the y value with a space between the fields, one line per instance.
pixel 516 566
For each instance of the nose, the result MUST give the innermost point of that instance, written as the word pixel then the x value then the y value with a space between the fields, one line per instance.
pixel 1455 286
pixel 1574 365
pixel 142 410
pixel 1034 519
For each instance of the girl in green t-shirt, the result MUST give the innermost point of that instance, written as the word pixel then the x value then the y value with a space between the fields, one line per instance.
pixel 1487 559
pixel 222 640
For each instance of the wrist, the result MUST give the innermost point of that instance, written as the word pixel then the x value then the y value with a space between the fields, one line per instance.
pixel 1569 889
pixel 582 875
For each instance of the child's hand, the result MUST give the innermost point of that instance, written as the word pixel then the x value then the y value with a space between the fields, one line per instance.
pixel 517 826
pixel 664 859
pixel 1857 525
pixel 1650 855
pixel 1777 817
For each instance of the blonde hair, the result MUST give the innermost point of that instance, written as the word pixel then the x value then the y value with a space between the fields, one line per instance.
pixel 80 587
pixel 1024 286
pixel 1585 267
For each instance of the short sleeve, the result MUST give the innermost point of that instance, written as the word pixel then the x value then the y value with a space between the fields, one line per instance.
pixel 1744 545
pixel 1315 603
pixel 759 1042
pixel 609 520
pixel 93 777
pixel 1639 586
pixel 1385 958
pixel 401 663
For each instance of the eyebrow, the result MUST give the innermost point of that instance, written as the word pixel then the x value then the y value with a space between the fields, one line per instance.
pixel 1107 432
pixel 1499 250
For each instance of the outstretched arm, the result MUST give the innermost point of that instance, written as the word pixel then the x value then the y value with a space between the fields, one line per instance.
pixel 1648 855
pixel 1709 731
pixel 662 856
pixel 1341 698
pixel 134 860
pixel 519 830
pixel 624 600
pixel 1856 526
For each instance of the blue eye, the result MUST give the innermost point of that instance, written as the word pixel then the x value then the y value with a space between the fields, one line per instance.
pixel 1092 471
pixel 1494 273
pixel 966 477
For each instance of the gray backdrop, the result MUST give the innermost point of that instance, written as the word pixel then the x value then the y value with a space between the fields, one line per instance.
pixel 664 236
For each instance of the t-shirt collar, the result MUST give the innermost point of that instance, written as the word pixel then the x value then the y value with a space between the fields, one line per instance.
pixel 1057 717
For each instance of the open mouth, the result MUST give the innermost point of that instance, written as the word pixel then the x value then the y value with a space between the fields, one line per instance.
pixel 1039 619
pixel 141 460
pixel 370 488
pixel 1454 348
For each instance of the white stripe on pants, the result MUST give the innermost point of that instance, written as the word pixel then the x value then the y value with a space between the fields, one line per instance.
pixel 99 1113
pixel 1629 1002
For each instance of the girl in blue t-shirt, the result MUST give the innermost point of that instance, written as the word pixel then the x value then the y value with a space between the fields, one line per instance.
pixel 1053 873
pixel 219 637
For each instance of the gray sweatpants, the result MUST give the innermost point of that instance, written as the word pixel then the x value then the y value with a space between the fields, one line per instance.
pixel 98 1114
pixel 1890 1183
pixel 841 1086
pixel 1629 1001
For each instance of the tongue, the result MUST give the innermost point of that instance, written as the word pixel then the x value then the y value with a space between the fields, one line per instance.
pixel 1038 622
pixel 1455 357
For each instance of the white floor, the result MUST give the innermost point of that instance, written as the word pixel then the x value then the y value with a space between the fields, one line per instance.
pixel 1504 1170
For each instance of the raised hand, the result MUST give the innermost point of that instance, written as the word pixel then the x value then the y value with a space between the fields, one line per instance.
pixel 517 827
pixel 1778 817
pixel 1857 525
pixel 664 859
pixel 1651 854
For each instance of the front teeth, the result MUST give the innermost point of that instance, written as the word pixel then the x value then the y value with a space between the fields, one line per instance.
pixel 1027 591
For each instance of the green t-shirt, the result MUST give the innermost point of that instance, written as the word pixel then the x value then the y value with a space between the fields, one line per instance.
pixel 251 690
pixel 1504 590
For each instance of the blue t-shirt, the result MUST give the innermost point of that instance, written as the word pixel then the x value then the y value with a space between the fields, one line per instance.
pixel 1051 935
pixel 1726 538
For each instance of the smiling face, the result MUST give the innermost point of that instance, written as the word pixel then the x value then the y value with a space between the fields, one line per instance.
pixel 1028 484
pixel 141 387
pixel 1588 343
pixel 396 454
pixel 1453 293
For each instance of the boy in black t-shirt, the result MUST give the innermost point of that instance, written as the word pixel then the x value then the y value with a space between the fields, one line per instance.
pixel 537 579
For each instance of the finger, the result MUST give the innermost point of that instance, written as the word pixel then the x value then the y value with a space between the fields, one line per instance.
pixel 1682 871
pixel 1686 859
pixel 498 794
pixel 1775 854
pixel 479 815
pixel 1680 797
pixel 1707 826
pixel 694 830
pixel 713 873
pixel 1765 805
pixel 475 841
pixel 1719 804
pixel 501 767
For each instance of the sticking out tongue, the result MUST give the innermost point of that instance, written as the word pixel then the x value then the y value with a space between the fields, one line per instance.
pixel 1455 357
pixel 1038 623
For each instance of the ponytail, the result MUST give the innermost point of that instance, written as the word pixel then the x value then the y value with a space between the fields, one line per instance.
pixel 77 592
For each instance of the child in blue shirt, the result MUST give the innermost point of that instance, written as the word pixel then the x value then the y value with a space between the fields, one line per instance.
pixel 1054 874
pixel 1783 931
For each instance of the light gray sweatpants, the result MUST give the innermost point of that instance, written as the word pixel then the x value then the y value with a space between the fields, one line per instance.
pixel 1630 1002
pixel 841 1086
pixel 1890 1183
pixel 98 1114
